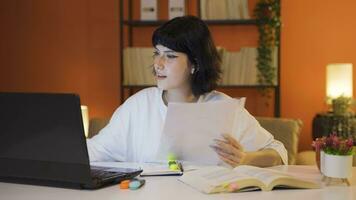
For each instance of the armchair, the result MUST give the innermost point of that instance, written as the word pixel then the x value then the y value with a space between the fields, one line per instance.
pixel 286 131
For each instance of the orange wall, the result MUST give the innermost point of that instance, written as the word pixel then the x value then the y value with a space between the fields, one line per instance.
pixel 314 34
pixel 62 46
pixel 72 46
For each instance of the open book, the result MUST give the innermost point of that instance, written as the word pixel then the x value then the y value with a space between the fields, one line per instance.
pixel 217 179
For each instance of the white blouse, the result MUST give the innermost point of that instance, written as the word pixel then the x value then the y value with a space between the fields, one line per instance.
pixel 134 131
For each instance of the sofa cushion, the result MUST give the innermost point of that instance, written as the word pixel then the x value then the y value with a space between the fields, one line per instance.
pixel 96 124
pixel 286 131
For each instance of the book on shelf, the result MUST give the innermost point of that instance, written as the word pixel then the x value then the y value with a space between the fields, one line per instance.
pixel 217 179
pixel 239 67
pixel 225 70
pixel 224 9
pixel 176 8
pixel 235 69
pixel 243 8
pixel 138 66
pixel 232 12
pixel 148 10
pixel 249 63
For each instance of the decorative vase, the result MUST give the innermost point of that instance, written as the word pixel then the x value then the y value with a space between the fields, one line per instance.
pixel 336 166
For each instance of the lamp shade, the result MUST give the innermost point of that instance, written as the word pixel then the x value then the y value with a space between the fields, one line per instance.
pixel 85 117
pixel 339 80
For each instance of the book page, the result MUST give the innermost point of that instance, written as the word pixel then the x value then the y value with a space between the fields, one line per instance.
pixel 212 179
pixel 220 175
pixel 267 176
pixel 307 173
pixel 272 178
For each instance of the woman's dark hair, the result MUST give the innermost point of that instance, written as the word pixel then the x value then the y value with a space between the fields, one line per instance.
pixel 190 35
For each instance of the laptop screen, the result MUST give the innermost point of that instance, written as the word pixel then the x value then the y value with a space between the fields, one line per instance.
pixel 41 134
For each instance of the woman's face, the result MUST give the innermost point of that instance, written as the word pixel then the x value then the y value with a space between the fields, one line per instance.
pixel 172 68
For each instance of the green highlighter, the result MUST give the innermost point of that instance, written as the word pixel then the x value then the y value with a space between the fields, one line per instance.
pixel 172 162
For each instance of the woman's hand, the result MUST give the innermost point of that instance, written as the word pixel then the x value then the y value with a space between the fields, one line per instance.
pixel 229 150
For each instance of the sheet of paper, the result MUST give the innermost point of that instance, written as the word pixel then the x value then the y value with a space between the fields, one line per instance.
pixel 191 127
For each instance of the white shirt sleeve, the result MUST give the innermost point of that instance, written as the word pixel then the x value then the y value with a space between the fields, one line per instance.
pixel 110 144
pixel 253 137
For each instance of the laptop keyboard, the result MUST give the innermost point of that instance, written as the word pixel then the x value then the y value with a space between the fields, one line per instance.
pixel 109 175
pixel 104 173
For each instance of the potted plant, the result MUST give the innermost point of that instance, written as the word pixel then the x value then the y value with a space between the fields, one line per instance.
pixel 334 156
pixel 341 105
pixel 267 14
pixel 268 17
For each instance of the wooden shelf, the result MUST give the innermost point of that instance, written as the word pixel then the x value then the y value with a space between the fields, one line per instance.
pixel 144 23
pixel 247 86
pixel 232 22
pixel 219 86
pixel 209 22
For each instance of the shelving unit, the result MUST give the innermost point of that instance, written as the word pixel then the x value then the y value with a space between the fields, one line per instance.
pixel 129 23
pixel 209 22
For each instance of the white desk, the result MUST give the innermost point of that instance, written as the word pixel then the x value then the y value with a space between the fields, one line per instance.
pixel 170 188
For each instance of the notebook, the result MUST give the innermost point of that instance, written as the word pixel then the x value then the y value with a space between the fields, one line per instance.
pixel 161 169
pixel 42 141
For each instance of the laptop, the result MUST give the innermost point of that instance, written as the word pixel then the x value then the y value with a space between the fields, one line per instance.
pixel 42 141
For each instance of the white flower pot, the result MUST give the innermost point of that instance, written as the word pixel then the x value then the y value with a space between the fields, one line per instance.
pixel 336 166
pixel 322 163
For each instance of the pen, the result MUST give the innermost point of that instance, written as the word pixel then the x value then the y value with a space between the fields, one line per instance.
pixel 180 166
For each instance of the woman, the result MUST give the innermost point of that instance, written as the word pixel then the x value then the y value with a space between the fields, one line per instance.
pixel 186 67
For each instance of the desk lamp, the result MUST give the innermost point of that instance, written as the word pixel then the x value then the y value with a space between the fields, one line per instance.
pixel 85 117
pixel 339 95
pixel 339 87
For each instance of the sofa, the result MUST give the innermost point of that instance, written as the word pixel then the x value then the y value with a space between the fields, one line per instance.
pixel 285 130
